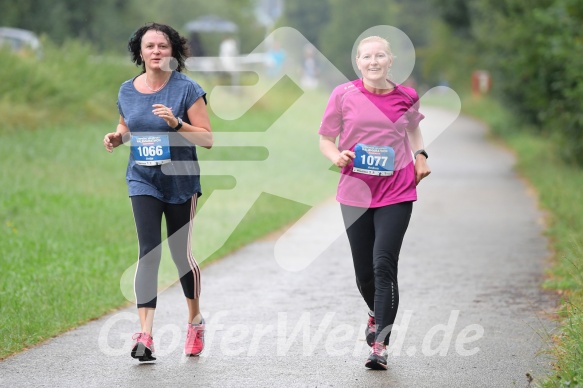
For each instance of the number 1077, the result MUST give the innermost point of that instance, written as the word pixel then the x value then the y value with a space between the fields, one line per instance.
pixel 374 160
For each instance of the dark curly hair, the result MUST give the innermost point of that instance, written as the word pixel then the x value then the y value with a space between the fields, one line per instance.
pixel 180 48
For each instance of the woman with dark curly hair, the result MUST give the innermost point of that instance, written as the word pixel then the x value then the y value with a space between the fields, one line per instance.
pixel 163 114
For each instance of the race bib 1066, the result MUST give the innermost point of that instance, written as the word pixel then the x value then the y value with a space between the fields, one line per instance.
pixel 151 150
pixel 374 160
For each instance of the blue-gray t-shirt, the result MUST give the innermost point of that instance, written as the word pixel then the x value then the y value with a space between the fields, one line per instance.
pixel 177 181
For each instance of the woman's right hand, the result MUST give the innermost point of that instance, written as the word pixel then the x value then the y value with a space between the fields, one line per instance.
pixel 112 140
pixel 330 150
pixel 344 158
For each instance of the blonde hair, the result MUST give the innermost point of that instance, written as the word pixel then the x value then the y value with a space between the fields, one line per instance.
pixel 375 38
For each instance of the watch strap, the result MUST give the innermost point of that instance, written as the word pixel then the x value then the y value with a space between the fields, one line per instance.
pixel 422 152
pixel 176 128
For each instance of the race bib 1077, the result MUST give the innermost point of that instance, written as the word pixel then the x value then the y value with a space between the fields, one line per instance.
pixel 151 150
pixel 374 160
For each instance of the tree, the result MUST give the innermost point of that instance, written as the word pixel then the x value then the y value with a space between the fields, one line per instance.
pixel 455 13
pixel 349 19
pixel 532 48
pixel 92 20
pixel 109 23
pixel 308 17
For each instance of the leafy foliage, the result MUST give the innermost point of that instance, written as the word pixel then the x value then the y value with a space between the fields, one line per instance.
pixel 107 24
pixel 309 17
pixel 532 48
pixel 98 21
pixel 455 13
pixel 348 19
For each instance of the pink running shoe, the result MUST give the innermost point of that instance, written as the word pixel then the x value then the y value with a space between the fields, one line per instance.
pixel 143 348
pixel 378 357
pixel 194 339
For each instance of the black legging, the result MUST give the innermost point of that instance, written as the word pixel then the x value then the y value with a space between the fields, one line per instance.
pixel 148 213
pixel 375 237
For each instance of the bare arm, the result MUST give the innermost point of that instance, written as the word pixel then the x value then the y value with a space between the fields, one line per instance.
pixel 421 167
pixel 115 139
pixel 330 150
pixel 199 130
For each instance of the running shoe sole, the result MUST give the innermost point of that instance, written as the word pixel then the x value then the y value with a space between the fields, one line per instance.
pixel 373 363
pixel 142 353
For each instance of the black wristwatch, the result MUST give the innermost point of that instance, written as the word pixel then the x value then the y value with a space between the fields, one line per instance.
pixel 176 128
pixel 422 152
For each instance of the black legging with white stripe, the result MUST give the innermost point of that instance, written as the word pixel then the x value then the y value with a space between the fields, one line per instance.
pixel 375 237
pixel 148 213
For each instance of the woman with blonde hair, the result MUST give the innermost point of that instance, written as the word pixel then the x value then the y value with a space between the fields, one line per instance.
pixel 370 129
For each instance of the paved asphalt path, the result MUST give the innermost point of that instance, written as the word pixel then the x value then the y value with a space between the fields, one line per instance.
pixel 471 310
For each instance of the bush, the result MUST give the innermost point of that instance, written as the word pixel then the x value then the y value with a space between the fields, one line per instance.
pixel 70 83
pixel 534 51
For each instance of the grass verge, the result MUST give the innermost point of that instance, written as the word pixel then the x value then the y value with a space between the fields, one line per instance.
pixel 558 185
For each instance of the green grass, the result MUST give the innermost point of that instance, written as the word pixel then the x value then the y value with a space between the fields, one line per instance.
pixel 559 187
pixel 62 233
pixel 69 84
pixel 67 235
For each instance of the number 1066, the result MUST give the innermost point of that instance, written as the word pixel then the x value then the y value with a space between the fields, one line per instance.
pixel 150 151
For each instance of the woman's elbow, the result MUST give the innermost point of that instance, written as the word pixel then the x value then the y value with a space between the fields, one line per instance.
pixel 209 141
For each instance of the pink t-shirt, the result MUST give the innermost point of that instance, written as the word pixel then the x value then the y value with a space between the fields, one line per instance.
pixel 359 116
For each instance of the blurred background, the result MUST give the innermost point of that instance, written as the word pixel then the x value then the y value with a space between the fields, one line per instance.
pixel 524 51
pixel 516 64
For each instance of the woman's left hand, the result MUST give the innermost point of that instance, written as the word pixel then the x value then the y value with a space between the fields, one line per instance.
pixel 421 168
pixel 166 114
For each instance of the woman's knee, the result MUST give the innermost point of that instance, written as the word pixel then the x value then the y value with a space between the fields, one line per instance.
pixel 150 254
pixel 385 267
